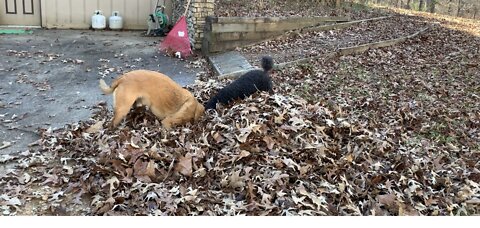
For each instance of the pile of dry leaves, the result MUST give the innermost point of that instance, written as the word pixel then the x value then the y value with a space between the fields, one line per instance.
pixel 267 155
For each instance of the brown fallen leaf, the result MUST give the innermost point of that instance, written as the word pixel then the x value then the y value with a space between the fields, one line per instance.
pixel 269 141
pixel 144 168
pixel 95 127
pixel 218 137
pixel 111 182
pixel 184 165
pixel 243 154
pixel 250 194
pixel 305 169
pixel 5 144
pixel 473 201
pixel 406 210
pixel 319 201
pixel 349 158
pixel 236 181
pixel 279 119
pixel 388 200
pixel 154 153
pixel 244 133
pixel 104 208
pixel 150 169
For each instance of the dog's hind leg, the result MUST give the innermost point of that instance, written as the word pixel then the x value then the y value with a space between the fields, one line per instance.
pixel 184 114
pixel 122 105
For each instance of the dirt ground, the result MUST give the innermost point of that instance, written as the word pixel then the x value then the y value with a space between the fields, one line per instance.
pixel 50 78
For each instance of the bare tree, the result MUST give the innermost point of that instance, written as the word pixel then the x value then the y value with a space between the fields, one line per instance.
pixel 450 8
pixel 431 5
pixel 398 2
pixel 460 7
pixel 475 11
pixel 420 5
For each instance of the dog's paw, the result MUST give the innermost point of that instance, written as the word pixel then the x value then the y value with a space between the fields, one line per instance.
pixel 166 124
pixel 111 127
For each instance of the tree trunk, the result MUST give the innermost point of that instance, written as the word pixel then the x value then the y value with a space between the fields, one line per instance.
pixel 459 8
pixel 431 5
pixel 420 5
pixel 450 8
pixel 408 4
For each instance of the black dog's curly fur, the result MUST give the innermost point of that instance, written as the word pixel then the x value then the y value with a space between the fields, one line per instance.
pixel 246 85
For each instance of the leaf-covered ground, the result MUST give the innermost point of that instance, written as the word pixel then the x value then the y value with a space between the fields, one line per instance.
pixel 392 131
pixel 296 45
pixel 286 8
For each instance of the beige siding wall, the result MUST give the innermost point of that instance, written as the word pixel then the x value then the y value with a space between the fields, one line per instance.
pixel 78 13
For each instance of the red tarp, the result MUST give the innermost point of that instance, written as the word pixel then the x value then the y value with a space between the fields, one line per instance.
pixel 177 39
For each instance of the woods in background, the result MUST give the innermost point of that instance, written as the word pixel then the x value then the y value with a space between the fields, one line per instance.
pixel 458 8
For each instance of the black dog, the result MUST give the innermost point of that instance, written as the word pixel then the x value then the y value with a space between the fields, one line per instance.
pixel 246 85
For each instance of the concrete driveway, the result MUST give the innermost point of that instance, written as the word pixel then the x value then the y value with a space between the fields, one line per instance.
pixel 50 78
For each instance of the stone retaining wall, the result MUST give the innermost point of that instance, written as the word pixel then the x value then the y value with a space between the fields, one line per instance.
pixel 227 33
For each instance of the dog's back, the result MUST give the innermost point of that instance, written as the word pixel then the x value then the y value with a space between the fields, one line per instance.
pixel 165 98
pixel 246 85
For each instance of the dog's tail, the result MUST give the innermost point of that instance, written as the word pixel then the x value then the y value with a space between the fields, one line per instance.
pixel 267 63
pixel 108 89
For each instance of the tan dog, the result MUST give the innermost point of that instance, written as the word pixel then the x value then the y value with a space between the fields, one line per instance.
pixel 170 102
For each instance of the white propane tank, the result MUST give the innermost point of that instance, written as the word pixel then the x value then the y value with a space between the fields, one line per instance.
pixel 115 21
pixel 98 20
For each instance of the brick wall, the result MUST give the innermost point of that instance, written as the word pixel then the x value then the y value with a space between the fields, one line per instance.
pixel 200 10
pixel 196 16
